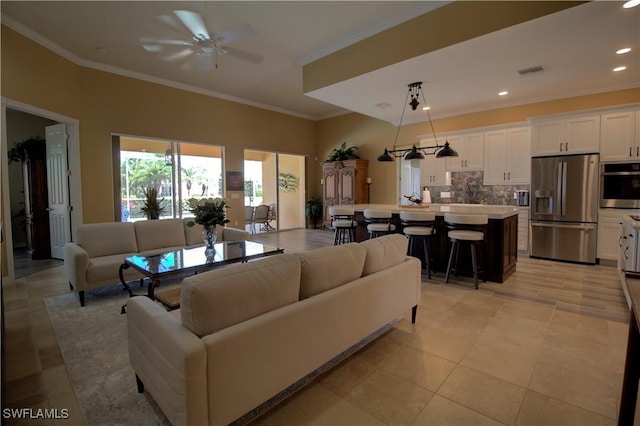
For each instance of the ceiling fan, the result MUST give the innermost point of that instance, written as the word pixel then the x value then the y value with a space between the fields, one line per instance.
pixel 200 49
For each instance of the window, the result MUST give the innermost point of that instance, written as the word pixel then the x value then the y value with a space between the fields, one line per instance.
pixel 178 170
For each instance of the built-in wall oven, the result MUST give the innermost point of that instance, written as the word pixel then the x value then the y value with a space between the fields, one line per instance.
pixel 620 185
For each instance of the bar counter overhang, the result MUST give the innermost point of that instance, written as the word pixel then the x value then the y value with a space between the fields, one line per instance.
pixel 501 240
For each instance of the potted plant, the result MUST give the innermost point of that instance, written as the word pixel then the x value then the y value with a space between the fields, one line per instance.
pixel 343 153
pixel 313 210
pixel 209 212
pixel 153 207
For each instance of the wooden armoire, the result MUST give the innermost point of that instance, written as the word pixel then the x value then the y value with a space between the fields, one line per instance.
pixel 343 183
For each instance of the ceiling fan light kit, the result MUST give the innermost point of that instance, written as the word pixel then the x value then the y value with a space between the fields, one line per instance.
pixel 200 49
pixel 417 153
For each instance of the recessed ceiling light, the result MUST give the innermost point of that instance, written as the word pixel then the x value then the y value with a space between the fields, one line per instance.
pixel 631 3
pixel 503 93
pixel 426 108
pixel 383 105
pixel 623 51
pixel 618 69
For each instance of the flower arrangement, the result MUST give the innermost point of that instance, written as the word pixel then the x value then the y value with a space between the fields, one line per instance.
pixel 208 212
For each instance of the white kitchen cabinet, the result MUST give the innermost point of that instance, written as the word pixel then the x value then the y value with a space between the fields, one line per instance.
pixel 523 229
pixel 620 135
pixel 506 156
pixel 433 171
pixel 608 235
pixel 563 136
pixel 470 149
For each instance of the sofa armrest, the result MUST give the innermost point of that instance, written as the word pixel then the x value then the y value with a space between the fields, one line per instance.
pixel 235 234
pixel 76 263
pixel 170 361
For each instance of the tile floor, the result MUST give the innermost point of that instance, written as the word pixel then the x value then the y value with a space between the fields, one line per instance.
pixel 546 347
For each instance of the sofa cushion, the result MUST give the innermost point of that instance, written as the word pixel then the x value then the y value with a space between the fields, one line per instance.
pixel 220 298
pixel 154 234
pixel 329 267
pixel 106 268
pixel 384 252
pixel 104 239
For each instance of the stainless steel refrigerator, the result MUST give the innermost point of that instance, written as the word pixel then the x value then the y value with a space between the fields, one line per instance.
pixel 564 207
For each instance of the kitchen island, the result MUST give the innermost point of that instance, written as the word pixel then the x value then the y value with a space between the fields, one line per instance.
pixel 502 234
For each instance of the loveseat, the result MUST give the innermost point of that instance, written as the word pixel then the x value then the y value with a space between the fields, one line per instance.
pixel 93 260
pixel 247 332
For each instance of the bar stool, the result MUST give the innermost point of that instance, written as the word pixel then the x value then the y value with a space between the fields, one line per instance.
pixel 378 222
pixel 418 227
pixel 344 225
pixel 470 229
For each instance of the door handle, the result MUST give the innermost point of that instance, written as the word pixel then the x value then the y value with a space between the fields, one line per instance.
pixel 509 176
pixel 566 146
pixel 564 226
pixel 560 146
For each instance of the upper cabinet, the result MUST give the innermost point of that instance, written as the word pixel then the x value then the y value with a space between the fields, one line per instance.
pixel 563 136
pixel 470 149
pixel 620 136
pixel 506 156
pixel 432 170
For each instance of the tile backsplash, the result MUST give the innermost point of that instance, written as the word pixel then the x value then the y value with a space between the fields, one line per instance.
pixel 468 187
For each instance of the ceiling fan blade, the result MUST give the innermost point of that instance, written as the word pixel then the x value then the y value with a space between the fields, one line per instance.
pixel 172 22
pixel 178 55
pixel 168 42
pixel 241 54
pixel 194 23
pixel 153 48
pixel 233 34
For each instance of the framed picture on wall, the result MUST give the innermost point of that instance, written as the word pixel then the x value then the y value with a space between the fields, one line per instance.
pixel 235 182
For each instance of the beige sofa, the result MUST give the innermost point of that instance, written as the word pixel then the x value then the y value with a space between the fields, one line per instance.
pixel 247 332
pixel 93 260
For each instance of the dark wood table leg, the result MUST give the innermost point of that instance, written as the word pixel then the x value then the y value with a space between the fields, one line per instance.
pixel 124 283
pixel 631 375
pixel 153 283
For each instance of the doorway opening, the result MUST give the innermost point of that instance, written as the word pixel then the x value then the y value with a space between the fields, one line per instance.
pixel 274 191
pixel 21 122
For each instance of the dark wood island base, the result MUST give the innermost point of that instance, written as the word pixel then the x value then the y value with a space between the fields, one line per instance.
pixel 501 253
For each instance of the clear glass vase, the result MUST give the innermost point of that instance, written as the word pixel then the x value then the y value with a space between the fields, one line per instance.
pixel 210 235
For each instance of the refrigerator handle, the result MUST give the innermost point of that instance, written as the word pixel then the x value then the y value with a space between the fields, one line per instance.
pixel 559 193
pixel 563 205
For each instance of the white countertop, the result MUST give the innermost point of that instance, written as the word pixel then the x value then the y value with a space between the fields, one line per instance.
pixel 628 219
pixel 493 211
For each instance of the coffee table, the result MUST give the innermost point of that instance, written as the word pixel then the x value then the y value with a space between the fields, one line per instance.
pixel 192 260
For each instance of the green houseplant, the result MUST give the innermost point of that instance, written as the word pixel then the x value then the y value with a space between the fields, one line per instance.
pixel 208 212
pixel 343 153
pixel 153 208
pixel 313 210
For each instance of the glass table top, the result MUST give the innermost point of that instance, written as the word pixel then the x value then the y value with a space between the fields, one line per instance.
pixel 187 258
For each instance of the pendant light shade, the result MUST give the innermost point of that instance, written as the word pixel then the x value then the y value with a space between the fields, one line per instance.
pixel 446 151
pixel 385 156
pixel 414 154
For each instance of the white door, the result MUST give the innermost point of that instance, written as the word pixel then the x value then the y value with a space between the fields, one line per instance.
pixel 58 187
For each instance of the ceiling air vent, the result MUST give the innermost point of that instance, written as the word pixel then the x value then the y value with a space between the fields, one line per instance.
pixel 531 70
